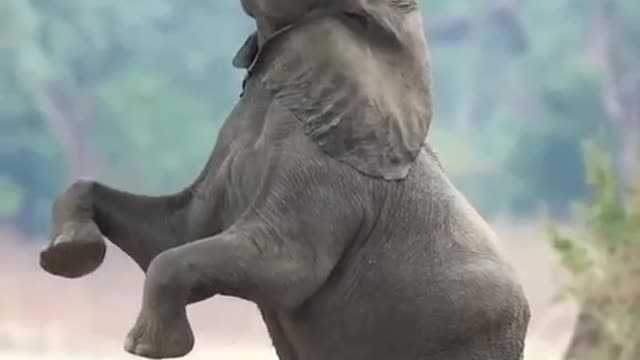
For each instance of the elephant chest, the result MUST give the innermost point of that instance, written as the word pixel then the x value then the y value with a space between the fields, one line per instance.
pixel 244 173
pixel 252 142
pixel 226 194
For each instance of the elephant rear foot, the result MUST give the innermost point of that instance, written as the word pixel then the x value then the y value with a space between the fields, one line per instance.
pixel 77 251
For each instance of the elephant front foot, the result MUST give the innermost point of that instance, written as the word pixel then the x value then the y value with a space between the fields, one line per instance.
pixel 77 251
pixel 160 335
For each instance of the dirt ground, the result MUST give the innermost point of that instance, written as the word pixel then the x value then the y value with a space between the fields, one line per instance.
pixel 46 318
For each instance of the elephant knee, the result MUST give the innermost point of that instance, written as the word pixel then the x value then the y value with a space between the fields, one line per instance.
pixel 166 274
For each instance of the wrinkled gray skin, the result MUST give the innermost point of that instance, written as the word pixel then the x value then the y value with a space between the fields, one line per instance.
pixel 320 203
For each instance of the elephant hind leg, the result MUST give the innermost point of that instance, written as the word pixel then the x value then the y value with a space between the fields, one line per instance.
pixel 283 346
pixel 486 351
pixel 503 340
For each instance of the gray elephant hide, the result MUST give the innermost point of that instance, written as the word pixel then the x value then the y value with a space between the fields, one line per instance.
pixel 362 92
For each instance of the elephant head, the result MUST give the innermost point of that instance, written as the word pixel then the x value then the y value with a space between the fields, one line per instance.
pixel 355 72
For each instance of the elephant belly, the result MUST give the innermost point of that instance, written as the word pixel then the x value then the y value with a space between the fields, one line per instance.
pixel 407 295
pixel 379 318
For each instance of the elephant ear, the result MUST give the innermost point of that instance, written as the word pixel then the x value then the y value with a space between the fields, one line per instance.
pixel 247 53
pixel 361 91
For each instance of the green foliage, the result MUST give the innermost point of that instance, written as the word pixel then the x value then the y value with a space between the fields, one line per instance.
pixel 152 116
pixel 574 257
pixel 604 259
pixel 521 115
pixel 139 89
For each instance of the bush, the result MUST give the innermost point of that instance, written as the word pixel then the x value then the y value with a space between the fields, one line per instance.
pixel 604 259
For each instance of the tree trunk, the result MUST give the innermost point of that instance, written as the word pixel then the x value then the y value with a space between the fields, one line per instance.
pixel 588 337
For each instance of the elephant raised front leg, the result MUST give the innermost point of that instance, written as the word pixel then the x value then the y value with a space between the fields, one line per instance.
pixel 142 226
pixel 234 263
pixel 270 256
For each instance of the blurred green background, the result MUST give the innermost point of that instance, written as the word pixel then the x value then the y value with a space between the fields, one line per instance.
pixel 134 92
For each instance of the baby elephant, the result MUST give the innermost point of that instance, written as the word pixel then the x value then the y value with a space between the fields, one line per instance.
pixel 320 203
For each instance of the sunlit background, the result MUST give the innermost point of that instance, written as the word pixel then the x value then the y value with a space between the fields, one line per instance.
pixel 133 93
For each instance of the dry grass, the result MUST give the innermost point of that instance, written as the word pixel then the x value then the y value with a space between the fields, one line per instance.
pixel 47 318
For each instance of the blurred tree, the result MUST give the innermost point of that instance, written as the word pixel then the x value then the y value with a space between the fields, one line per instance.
pixel 604 262
pixel 535 64
pixel 93 85
pixel 134 92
